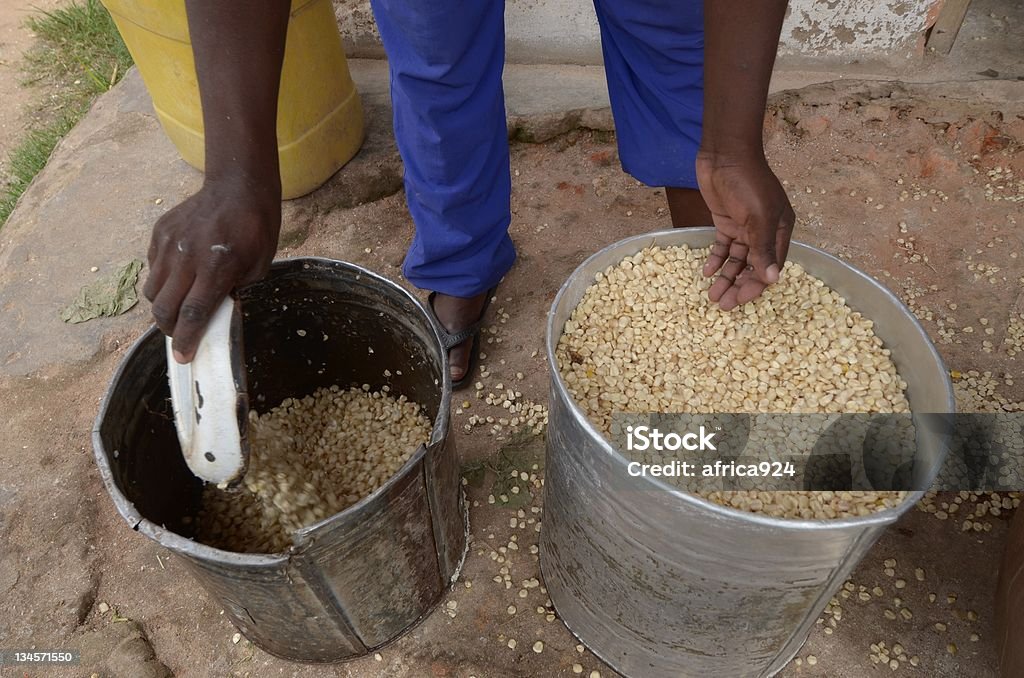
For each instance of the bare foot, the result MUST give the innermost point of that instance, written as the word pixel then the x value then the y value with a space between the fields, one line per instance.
pixel 456 314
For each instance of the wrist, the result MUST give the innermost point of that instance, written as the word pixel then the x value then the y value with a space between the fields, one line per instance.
pixel 242 156
pixel 729 156
pixel 732 132
pixel 260 181
pixel 238 187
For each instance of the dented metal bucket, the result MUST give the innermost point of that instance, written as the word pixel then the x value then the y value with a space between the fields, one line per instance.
pixel 359 579
pixel 662 583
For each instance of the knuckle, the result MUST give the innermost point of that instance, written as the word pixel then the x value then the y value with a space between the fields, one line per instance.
pixel 221 255
pixel 223 263
pixel 162 232
pixel 194 311
pixel 163 315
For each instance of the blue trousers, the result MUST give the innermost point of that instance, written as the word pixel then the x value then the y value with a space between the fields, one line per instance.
pixel 446 58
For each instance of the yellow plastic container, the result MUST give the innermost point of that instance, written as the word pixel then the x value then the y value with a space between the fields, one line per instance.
pixel 319 119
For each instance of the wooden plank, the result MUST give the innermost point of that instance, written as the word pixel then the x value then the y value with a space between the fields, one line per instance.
pixel 951 18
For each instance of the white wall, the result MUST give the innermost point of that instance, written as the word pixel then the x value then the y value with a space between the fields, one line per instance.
pixel 857 28
pixel 565 31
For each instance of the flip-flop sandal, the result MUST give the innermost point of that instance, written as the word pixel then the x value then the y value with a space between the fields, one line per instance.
pixel 450 340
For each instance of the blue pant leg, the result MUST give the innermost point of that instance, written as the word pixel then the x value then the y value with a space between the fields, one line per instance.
pixel 654 61
pixel 446 60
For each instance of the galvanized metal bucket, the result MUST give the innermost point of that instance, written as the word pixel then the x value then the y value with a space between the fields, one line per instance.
pixel 663 583
pixel 357 580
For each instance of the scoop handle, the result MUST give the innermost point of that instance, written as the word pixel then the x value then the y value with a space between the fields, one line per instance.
pixel 210 399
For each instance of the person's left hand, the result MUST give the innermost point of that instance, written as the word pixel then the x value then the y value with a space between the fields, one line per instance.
pixel 754 224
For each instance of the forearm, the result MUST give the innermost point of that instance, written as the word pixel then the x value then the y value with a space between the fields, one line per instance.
pixel 740 42
pixel 238 47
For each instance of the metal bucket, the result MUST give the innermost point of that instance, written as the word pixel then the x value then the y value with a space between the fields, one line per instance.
pixel 664 583
pixel 357 580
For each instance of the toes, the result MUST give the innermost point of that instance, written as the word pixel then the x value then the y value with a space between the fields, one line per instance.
pixel 458 360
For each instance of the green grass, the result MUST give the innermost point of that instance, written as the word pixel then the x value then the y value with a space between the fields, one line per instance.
pixel 28 158
pixel 80 55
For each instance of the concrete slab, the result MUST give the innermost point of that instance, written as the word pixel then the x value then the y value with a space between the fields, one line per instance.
pixel 84 211
pixel 541 101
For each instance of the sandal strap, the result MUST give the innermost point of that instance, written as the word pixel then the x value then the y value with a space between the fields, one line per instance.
pixel 452 339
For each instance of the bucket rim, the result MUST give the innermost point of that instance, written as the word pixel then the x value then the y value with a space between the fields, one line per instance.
pixel 302 538
pixel 558 385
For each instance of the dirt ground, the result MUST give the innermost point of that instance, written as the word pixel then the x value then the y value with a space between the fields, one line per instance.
pixel 893 179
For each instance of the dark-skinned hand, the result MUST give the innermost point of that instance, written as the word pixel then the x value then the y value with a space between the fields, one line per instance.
pixel 223 237
pixel 753 221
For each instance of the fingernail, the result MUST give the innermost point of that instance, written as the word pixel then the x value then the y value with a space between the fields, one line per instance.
pixel 773 273
pixel 180 357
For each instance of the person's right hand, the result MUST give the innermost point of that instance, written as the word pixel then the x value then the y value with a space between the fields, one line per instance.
pixel 222 237
pixel 753 221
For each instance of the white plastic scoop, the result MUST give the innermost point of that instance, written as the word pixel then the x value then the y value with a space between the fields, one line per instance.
pixel 210 400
